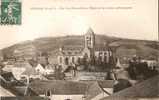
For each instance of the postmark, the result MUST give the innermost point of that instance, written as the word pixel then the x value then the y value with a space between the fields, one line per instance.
pixel 10 12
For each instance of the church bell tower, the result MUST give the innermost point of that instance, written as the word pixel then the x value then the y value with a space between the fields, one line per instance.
pixel 90 43
pixel 90 39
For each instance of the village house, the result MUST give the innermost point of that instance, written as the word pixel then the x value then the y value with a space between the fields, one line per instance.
pixel 59 90
pixel 31 73
pixel 70 90
pixel 49 69
pixel 152 64
pixel 10 87
pixel 40 69
pixel 45 69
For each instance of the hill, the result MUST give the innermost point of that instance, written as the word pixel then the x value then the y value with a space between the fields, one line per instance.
pixel 49 44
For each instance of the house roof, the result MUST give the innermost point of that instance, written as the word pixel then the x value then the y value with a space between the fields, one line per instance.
pixel 5 93
pixel 8 76
pixel 93 90
pixel 20 91
pixel 58 87
pixel 97 87
pixel 40 65
pixel 8 68
pixel 30 71
pixel 14 88
pixel 50 66
pixel 147 88
pixel 106 83
pixel 24 98
pixel 102 83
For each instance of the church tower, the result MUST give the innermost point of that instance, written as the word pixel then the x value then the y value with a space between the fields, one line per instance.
pixel 90 39
pixel 89 44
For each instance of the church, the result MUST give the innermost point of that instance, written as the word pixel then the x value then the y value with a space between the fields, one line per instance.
pixel 69 56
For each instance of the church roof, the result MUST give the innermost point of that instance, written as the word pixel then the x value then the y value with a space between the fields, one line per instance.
pixel 72 47
pixel 100 48
pixel 71 50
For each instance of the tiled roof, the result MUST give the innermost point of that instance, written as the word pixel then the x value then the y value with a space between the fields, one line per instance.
pixel 106 83
pixel 147 88
pixel 93 90
pixel 58 87
pixel 102 83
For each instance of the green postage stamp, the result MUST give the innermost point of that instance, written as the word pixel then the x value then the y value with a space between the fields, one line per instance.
pixel 10 13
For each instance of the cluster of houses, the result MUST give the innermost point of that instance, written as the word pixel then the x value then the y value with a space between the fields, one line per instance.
pixel 22 70
pixel 73 90
pixel 55 89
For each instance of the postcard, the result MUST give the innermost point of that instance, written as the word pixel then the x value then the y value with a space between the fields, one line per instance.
pixel 79 50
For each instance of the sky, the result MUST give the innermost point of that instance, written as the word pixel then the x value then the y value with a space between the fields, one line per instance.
pixel 135 19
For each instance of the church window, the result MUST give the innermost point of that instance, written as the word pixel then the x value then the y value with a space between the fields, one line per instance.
pixel 48 93
pixel 66 61
pixel 105 54
pixel 79 60
pixel 105 58
pixel 60 59
pixel 73 60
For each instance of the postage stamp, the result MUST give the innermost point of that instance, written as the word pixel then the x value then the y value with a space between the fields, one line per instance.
pixel 10 12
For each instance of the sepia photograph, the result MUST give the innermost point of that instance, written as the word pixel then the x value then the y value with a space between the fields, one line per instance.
pixel 79 50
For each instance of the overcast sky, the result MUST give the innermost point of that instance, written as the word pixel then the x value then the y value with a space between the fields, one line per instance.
pixel 138 21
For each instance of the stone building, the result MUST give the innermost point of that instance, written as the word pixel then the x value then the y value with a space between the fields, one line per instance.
pixel 70 55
